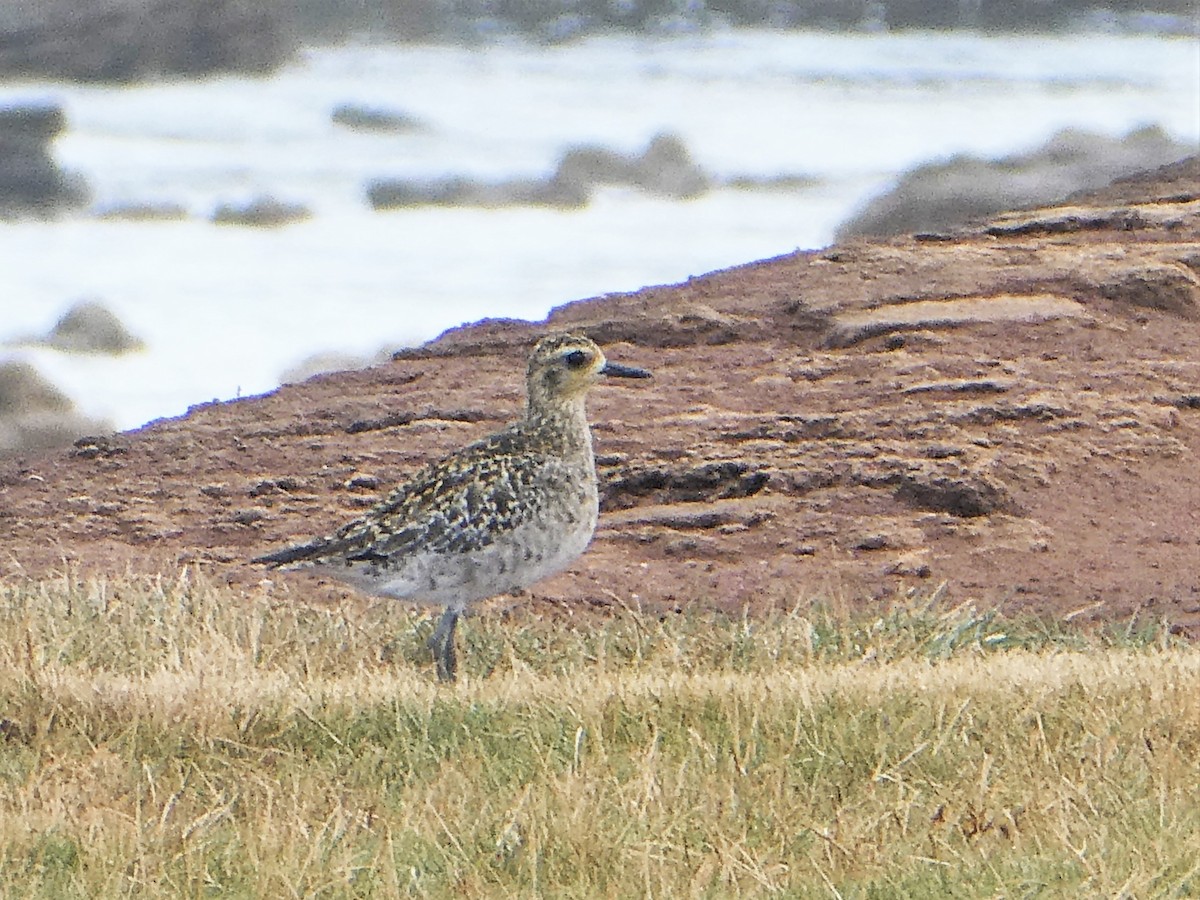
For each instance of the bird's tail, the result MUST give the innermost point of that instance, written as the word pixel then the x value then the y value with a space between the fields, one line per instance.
pixel 295 553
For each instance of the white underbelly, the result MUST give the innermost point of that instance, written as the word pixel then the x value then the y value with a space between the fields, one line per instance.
pixel 514 561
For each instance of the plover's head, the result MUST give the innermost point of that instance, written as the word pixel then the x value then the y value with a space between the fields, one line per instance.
pixel 563 366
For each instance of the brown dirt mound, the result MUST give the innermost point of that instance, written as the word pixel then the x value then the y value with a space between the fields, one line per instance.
pixel 1013 410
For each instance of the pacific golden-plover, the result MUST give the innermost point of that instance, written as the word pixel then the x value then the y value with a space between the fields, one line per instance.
pixel 492 518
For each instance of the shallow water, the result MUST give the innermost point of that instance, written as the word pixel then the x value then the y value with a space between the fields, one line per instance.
pixel 225 310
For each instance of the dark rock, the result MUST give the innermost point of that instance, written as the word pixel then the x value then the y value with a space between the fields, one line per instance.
pixel 590 165
pixel 392 194
pixel 1059 222
pixel 365 118
pixel 23 390
pixel 43 430
pixel 89 327
pixel 143 212
pixel 1167 288
pixel 965 497
pixel 121 40
pixel 711 481
pixel 943 195
pixel 664 168
pixel 33 122
pixel 34 414
pixel 98 446
pixel 784 182
pixel 284 485
pixel 554 21
pixel 362 482
pixel 31 183
pixel 393 420
pixel 261 212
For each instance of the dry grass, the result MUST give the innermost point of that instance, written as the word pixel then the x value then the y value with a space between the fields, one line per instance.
pixel 173 738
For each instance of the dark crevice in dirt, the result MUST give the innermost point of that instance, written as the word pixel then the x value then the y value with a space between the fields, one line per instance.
pixel 899 301
pixel 798 482
pixel 285 485
pixel 844 337
pixel 987 415
pixel 311 423
pixel 965 499
pixel 788 429
pixel 798 316
pixel 962 494
pixel 702 521
pixel 98 446
pixel 1103 220
pixel 960 387
pixel 1192 261
pixel 394 420
pixel 662 485
pixel 681 330
pixel 1166 288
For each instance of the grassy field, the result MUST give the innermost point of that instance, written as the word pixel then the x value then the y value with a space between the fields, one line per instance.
pixel 172 738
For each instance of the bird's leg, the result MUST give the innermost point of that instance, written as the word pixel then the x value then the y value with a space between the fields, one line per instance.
pixel 442 644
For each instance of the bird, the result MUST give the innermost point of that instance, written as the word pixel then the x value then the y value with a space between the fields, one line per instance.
pixel 491 518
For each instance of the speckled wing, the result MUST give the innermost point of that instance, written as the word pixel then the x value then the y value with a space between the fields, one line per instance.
pixel 453 506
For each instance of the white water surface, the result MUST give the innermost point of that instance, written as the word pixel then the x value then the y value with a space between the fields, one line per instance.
pixel 224 310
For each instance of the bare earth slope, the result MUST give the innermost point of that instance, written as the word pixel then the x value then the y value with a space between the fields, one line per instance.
pixel 1013 410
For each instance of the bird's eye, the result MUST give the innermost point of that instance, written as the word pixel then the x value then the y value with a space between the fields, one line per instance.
pixel 576 359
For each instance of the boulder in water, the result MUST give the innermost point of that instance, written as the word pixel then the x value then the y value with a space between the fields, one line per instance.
pixel 143 212
pixel 367 118
pixel 123 40
pixel 946 195
pixel 34 414
pixel 31 182
pixel 23 390
pixel 261 212
pixel 665 168
pixel 89 327
pixel 385 193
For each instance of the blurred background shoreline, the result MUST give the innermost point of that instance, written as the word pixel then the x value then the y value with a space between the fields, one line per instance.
pixel 257 192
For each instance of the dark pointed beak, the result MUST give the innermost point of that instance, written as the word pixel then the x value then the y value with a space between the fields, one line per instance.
pixel 619 371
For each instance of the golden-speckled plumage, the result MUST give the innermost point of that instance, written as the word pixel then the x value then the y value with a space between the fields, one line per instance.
pixel 493 517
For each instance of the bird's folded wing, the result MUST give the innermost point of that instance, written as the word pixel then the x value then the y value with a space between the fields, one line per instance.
pixel 454 506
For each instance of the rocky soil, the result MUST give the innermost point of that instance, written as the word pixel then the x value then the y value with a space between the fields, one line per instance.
pixel 1010 413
